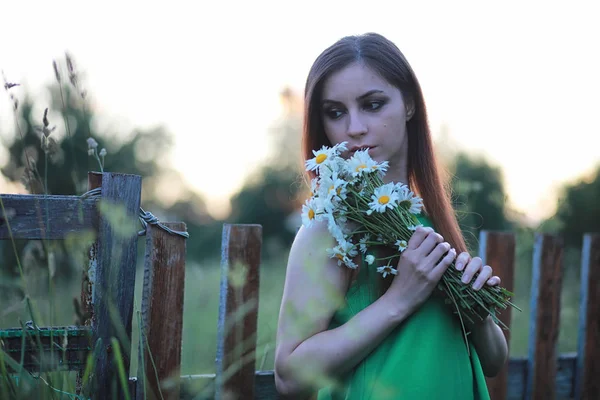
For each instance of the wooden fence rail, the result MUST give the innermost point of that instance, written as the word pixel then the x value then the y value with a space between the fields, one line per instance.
pixel 108 295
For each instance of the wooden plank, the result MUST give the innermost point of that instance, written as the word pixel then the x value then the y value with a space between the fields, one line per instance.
pixel 86 308
pixel 114 283
pixel 162 313
pixel 497 249
pixel 587 382
pixel 89 271
pixel 70 345
pixel 544 321
pixel 238 311
pixel 27 216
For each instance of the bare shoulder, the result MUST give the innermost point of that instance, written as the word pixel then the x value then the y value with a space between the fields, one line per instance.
pixel 309 263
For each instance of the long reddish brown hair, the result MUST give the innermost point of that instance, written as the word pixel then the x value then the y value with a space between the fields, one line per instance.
pixel 424 173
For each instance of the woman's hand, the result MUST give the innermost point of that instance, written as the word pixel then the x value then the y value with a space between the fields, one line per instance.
pixel 420 267
pixel 472 267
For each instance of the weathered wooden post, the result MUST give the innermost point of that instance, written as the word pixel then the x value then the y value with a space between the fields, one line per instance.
pixel 544 322
pixel 497 249
pixel 587 375
pixel 111 278
pixel 162 314
pixel 238 312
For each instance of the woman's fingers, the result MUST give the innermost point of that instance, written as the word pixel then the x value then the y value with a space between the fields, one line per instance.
pixel 417 238
pixel 442 266
pixel 494 281
pixel 462 260
pixel 471 269
pixel 484 275
pixel 437 252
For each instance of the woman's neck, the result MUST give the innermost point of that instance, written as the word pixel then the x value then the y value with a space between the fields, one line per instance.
pixel 397 173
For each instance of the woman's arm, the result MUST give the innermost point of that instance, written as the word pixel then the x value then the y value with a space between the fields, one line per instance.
pixel 490 343
pixel 315 288
pixel 307 353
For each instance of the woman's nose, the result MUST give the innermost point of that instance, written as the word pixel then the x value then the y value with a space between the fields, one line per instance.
pixel 356 126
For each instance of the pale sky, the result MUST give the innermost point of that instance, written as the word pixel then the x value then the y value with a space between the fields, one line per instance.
pixel 518 81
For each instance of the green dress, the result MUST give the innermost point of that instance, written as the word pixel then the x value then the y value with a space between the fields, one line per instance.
pixel 424 358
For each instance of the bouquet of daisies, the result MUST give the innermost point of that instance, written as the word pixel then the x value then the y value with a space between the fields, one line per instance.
pixel 362 211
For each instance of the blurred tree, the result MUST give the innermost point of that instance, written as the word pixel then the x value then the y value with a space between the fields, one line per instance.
pixel 268 200
pixel 68 161
pixel 479 197
pixel 271 195
pixel 61 137
pixel 578 209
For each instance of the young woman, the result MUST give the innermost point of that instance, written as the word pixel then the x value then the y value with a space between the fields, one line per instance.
pixel 353 334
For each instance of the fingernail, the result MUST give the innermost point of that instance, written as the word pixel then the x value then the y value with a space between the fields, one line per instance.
pixel 459 266
pixel 465 278
pixel 476 286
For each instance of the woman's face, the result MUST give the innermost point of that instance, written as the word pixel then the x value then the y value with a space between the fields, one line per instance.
pixel 363 109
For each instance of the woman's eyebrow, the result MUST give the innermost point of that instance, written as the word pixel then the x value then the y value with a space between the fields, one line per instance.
pixel 359 98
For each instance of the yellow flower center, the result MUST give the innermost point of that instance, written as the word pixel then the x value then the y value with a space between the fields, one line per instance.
pixel 340 257
pixel 311 214
pixel 384 199
pixel 388 269
pixel 321 158
pixel 361 166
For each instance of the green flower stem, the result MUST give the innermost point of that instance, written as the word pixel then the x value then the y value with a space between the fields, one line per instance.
pixel 392 225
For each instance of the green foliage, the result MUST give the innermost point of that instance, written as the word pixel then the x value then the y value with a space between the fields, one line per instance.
pixel 479 197
pixel 268 200
pixel 67 158
pixel 579 209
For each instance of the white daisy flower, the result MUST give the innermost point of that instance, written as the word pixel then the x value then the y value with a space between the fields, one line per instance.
pixel 384 197
pixel 326 204
pixel 343 252
pixel 360 162
pixel 349 248
pixel 402 189
pixel 370 259
pixel 387 270
pixel 333 186
pixel 335 230
pixel 409 201
pixel 339 148
pixel 362 244
pixel 401 244
pixel 322 156
pixel 310 211
pixel 381 167
pixel 414 227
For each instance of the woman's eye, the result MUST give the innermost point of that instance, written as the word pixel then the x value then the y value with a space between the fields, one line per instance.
pixel 334 113
pixel 373 105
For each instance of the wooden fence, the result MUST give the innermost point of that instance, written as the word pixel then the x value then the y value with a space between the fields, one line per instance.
pixel 108 284
pixel 542 374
